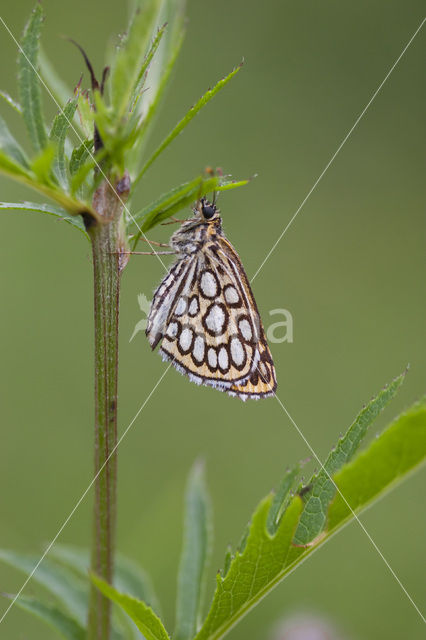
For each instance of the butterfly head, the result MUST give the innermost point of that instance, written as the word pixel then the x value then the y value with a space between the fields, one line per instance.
pixel 205 224
pixel 206 211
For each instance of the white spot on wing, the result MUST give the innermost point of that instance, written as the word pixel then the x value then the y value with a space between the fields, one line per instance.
pixel 180 307
pixel 212 358
pixel 198 350
pixel 263 369
pixel 231 295
pixel 245 329
pixel 223 359
pixel 185 339
pixel 237 352
pixel 193 307
pixel 215 319
pixel 172 330
pixel 208 285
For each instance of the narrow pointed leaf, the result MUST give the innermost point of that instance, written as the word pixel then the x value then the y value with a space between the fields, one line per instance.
pixel 400 449
pixel 67 588
pixel 268 559
pixel 78 560
pixel 128 576
pixel 13 169
pixel 187 119
pixel 58 134
pixel 197 541
pixel 28 82
pixel 322 491
pixel 179 198
pixel 86 114
pixel 131 579
pixel 72 205
pixel 85 168
pixel 65 625
pixel 130 57
pixel 80 155
pixel 211 184
pixel 140 81
pixel 142 615
pixel 11 102
pixel 173 14
pixel 50 209
pixel 42 165
pixel 10 147
pixel 150 213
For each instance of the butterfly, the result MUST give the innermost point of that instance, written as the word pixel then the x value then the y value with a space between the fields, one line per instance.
pixel 204 313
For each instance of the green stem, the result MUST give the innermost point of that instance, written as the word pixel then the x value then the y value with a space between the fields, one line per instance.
pixel 106 243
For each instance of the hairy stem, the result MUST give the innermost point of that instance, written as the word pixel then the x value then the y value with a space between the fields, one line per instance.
pixel 106 245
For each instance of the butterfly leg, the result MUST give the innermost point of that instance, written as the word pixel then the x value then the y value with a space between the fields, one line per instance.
pixel 173 220
pixel 144 253
pixel 157 244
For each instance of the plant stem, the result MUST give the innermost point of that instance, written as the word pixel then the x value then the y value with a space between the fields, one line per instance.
pixel 106 243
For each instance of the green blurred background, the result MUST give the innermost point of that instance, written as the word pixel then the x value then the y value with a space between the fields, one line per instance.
pixel 350 270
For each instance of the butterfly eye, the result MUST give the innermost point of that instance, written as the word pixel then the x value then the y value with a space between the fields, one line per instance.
pixel 208 210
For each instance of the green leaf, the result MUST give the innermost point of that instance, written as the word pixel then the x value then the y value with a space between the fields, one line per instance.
pixel 153 212
pixel 80 155
pixel 11 102
pixel 142 615
pixel 395 453
pixel 187 119
pixel 227 562
pixel 322 491
pixel 179 198
pixel 130 56
pixel 69 590
pixel 173 14
pixel 78 560
pixel 42 165
pixel 54 617
pixel 17 172
pixel 280 501
pixel 255 571
pixel 12 169
pixel 128 576
pixel 131 579
pixel 140 82
pixel 269 558
pixel 87 165
pixel 50 209
pixel 197 542
pixel 86 114
pixel 10 146
pixel 28 82
pixel 58 134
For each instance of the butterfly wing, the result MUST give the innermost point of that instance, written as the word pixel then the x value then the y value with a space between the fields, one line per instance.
pixel 165 296
pixel 198 338
pixel 262 382
pixel 212 331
